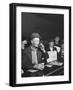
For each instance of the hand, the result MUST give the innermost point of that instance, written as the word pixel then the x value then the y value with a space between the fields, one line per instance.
pixel 42 47
pixel 39 66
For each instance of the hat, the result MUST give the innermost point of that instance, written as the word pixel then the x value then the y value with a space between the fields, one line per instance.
pixel 35 35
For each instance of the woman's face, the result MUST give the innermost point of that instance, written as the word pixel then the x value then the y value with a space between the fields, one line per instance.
pixel 51 44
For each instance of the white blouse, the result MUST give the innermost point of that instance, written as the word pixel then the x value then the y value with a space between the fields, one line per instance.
pixel 52 55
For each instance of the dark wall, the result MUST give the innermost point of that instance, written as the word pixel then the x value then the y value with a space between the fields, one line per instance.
pixel 47 25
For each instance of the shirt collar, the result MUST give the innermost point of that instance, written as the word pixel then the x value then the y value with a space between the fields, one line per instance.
pixel 33 49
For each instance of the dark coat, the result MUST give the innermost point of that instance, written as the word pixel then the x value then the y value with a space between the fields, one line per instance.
pixel 27 58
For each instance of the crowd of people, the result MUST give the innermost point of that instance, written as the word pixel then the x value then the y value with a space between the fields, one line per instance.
pixel 39 52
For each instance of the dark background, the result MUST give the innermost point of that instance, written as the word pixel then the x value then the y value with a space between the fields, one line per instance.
pixel 47 25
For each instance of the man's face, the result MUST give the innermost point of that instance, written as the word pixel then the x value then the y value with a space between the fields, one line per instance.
pixel 35 42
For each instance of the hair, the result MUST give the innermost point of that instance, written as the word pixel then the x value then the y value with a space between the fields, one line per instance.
pixel 35 35
pixel 51 41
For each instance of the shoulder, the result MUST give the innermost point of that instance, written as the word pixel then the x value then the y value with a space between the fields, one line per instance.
pixel 48 49
pixel 26 50
pixel 55 48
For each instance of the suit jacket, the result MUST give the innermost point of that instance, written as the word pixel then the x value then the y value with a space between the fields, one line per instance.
pixel 27 58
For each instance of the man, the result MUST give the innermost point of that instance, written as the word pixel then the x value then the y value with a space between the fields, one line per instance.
pixel 32 56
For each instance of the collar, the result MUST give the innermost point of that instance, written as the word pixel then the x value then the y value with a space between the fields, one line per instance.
pixel 33 49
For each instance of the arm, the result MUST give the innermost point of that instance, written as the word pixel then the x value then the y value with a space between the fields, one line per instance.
pixel 26 63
